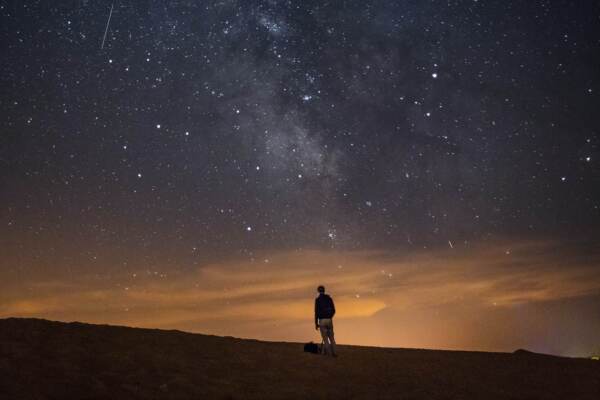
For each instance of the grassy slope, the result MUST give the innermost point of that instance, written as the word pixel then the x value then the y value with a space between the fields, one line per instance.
pixel 51 360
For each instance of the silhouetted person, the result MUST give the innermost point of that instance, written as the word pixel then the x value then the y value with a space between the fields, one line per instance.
pixel 324 312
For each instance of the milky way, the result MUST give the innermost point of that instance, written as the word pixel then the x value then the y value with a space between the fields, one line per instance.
pixel 166 136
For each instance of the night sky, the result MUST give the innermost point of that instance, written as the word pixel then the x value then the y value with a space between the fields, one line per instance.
pixel 205 165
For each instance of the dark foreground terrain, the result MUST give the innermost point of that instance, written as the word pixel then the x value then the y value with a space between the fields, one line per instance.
pixel 52 360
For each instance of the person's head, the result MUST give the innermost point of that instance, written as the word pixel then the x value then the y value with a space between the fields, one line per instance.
pixel 321 289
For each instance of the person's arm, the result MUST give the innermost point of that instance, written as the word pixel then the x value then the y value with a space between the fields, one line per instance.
pixel 316 318
pixel 333 306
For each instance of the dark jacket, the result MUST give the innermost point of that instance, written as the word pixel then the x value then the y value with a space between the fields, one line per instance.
pixel 324 307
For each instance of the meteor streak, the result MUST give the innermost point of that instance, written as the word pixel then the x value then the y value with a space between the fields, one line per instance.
pixel 107 24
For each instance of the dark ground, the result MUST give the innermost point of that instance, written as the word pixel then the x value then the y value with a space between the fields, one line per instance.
pixel 52 360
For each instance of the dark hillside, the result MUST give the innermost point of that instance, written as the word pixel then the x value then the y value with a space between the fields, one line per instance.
pixel 53 360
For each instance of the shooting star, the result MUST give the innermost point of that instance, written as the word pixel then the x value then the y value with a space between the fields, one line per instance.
pixel 107 24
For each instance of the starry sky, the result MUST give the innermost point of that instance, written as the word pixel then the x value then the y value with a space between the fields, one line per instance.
pixel 205 165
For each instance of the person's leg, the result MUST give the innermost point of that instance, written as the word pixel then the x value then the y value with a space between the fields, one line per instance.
pixel 332 340
pixel 328 337
pixel 324 335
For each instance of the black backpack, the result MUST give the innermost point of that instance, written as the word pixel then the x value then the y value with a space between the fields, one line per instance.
pixel 312 348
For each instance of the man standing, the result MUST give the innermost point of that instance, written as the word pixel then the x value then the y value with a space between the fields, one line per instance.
pixel 324 312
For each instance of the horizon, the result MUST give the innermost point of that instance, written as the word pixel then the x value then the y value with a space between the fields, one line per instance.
pixel 383 299
pixel 251 339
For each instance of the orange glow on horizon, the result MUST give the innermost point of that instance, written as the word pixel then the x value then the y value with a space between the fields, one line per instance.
pixel 464 299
